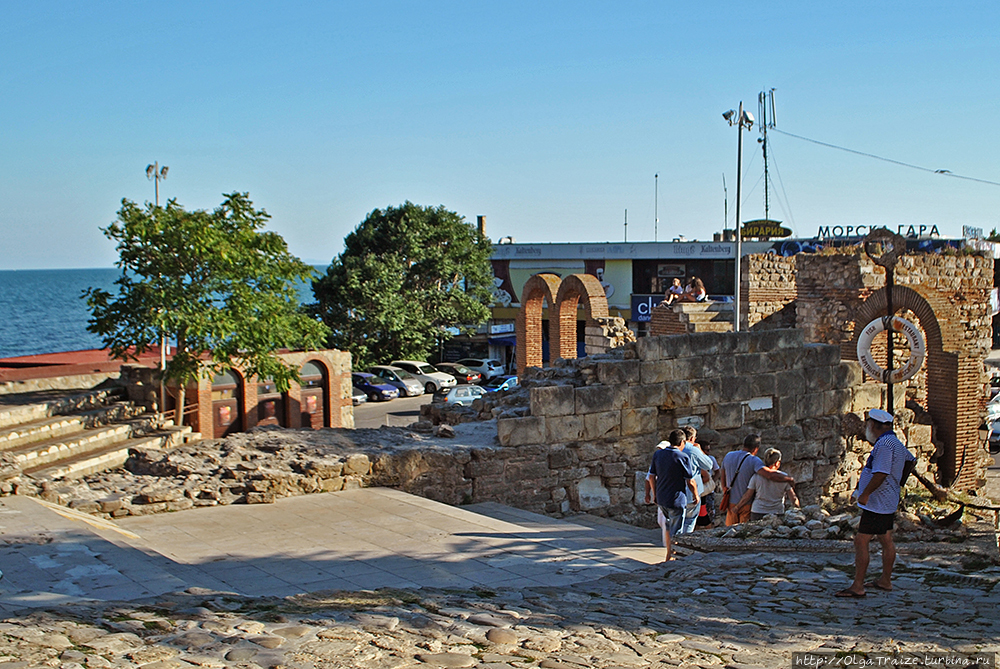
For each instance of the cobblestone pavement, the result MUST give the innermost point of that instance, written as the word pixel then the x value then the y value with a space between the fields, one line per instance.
pixel 703 610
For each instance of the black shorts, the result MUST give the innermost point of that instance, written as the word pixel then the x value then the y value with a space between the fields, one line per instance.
pixel 875 523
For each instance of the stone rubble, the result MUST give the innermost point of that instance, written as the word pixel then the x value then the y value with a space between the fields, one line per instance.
pixel 706 610
pixel 816 523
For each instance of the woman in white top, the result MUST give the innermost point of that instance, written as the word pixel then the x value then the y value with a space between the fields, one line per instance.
pixel 768 497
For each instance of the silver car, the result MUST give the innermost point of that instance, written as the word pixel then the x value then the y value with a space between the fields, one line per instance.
pixel 432 379
pixel 463 395
pixel 485 366
pixel 400 378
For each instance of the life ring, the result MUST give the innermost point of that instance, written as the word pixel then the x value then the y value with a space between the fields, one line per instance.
pixel 913 337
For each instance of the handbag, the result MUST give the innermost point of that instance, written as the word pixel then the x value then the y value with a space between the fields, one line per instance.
pixel 724 502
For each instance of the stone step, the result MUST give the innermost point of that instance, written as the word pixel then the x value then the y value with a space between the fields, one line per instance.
pixel 707 317
pixel 46 452
pixel 108 457
pixel 709 327
pixel 701 307
pixel 61 426
pixel 34 409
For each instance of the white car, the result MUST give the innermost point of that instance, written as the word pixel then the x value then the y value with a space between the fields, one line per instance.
pixel 488 368
pixel 432 379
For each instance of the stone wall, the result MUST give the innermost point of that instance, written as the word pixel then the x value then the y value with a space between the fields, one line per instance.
pixel 593 423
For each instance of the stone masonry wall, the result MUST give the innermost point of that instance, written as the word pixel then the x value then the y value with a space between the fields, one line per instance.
pixel 587 447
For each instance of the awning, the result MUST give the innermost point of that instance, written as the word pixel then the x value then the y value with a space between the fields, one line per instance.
pixel 503 341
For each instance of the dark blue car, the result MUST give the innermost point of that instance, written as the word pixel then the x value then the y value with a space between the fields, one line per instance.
pixel 376 389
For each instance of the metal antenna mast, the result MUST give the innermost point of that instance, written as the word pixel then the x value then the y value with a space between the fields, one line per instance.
pixel 656 204
pixel 765 110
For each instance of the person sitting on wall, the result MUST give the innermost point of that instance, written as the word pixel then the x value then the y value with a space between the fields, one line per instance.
pixel 695 291
pixel 673 294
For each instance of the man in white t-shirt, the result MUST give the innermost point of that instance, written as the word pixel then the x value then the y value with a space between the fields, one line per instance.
pixel 879 486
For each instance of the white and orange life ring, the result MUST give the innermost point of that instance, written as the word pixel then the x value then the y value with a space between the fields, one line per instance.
pixel 913 337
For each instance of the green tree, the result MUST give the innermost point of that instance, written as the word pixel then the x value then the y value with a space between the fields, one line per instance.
pixel 218 285
pixel 406 274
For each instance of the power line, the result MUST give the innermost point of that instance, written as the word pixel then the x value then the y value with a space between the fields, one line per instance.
pixel 947 173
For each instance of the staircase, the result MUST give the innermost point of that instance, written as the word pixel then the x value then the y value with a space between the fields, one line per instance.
pixel 692 317
pixel 56 435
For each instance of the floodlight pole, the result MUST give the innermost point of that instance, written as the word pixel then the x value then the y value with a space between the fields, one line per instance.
pixel 155 173
pixel 743 120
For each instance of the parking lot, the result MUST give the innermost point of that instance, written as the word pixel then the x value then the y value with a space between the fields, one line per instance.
pixel 397 413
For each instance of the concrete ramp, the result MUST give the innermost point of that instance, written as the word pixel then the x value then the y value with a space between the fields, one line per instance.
pixel 349 540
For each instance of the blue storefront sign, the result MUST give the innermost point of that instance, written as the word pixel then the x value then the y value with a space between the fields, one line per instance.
pixel 642 306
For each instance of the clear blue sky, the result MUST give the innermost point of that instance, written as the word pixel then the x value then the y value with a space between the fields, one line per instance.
pixel 550 118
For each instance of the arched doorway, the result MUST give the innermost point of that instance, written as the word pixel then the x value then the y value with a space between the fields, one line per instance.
pixel 226 402
pixel 315 412
pixel 270 404
pixel 572 289
pixel 954 381
pixel 539 291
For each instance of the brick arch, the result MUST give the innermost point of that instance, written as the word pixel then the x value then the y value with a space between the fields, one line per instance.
pixel 538 290
pixel 934 312
pixel 953 376
pixel 573 288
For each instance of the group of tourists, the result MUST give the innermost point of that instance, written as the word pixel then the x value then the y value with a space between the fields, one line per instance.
pixel 683 478
pixel 693 292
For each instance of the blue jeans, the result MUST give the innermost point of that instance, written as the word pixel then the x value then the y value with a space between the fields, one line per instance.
pixel 689 519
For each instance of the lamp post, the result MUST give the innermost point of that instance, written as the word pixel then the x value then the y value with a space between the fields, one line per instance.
pixel 742 119
pixel 155 173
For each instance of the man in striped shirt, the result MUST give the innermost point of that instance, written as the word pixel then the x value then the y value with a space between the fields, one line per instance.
pixel 879 485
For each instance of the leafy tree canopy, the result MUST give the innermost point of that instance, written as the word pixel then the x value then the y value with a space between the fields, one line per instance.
pixel 405 275
pixel 214 282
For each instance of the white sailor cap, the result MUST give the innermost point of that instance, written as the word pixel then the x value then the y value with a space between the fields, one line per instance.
pixel 880 416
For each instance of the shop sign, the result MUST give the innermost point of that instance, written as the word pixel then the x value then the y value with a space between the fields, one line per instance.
pixel 970 232
pixel 642 306
pixel 913 231
pixel 501 328
pixel 764 228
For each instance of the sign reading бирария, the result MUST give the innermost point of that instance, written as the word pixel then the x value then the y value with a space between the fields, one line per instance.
pixel 764 228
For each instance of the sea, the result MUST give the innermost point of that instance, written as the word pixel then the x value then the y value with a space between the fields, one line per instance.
pixel 42 311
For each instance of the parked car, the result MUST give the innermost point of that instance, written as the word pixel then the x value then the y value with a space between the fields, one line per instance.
pixel 358 396
pixel 432 379
pixel 463 395
pixel 497 383
pixel 408 385
pixel 461 373
pixel 487 367
pixel 374 387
